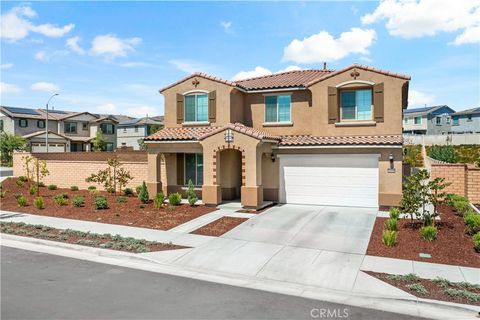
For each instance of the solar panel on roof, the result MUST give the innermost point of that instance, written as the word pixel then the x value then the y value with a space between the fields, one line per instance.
pixel 22 110
pixel 57 111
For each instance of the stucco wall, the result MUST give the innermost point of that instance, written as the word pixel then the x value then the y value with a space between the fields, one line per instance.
pixel 71 169
pixel 464 179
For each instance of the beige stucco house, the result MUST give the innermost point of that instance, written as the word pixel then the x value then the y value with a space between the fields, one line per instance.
pixel 309 137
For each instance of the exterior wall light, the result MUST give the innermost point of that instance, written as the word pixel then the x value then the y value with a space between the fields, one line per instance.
pixel 272 156
pixel 229 136
pixel 392 168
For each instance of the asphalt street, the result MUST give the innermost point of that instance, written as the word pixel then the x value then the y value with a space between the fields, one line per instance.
pixel 42 286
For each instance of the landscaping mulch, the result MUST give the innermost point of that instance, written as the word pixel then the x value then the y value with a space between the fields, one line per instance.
pixel 105 241
pixel 452 246
pixel 219 226
pixel 130 213
pixel 435 290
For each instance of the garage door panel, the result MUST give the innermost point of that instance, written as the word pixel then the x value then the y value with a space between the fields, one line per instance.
pixel 341 180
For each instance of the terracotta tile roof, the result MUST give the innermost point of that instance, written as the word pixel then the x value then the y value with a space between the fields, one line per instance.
pixel 307 140
pixel 180 134
pixel 201 75
pixel 238 127
pixel 289 79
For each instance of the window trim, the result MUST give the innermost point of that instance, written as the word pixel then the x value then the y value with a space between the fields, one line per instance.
pixel 469 118
pixel 194 93
pixel 65 127
pixel 20 123
pixel 421 120
pixel 455 121
pixel 185 182
pixel 84 126
pixel 272 123
pixel 104 124
pixel 41 121
pixel 406 120
pixel 340 91
pixel 437 118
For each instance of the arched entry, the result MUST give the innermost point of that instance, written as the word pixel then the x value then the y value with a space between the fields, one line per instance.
pixel 229 173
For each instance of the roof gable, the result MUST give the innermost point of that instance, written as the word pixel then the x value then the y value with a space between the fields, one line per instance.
pixel 200 75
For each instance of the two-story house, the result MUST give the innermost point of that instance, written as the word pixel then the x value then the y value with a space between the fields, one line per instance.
pixel 131 133
pixel 428 120
pixel 68 130
pixel 467 121
pixel 305 137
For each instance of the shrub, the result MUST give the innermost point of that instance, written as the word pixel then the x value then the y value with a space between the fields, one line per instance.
pixel 391 224
pixel 23 178
pixel 429 233
pixel 472 221
pixel 409 277
pixel 110 190
pixel 159 199
pixel 33 189
pixel 174 199
pixel 389 238
pixel 191 195
pixel 101 203
pixel 476 241
pixel 417 287
pixel 143 194
pixel 121 199
pixel 22 201
pixel 78 201
pixel 128 191
pixel 470 296
pixel 41 184
pixel 17 195
pixel 60 199
pixel 461 204
pixel 137 189
pixel 52 187
pixel 90 188
pixel 20 183
pixel 2 194
pixel 394 213
pixel 38 202
pixel 443 153
pixel 73 188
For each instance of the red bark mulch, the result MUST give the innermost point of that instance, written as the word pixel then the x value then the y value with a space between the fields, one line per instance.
pixel 129 213
pixel 452 246
pixel 219 226
pixel 435 291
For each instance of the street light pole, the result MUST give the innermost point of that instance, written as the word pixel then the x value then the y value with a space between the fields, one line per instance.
pixel 46 122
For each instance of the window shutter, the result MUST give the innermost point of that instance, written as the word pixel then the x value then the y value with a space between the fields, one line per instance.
pixel 378 102
pixel 179 108
pixel 405 95
pixel 180 168
pixel 212 106
pixel 332 105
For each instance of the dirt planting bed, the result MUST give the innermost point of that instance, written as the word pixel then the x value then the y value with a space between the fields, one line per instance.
pixel 131 212
pixel 452 246
pixel 219 226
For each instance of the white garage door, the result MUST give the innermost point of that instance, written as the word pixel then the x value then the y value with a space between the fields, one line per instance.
pixel 52 147
pixel 337 180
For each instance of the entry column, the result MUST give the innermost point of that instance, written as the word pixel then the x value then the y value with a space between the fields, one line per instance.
pixel 252 190
pixel 211 190
pixel 154 183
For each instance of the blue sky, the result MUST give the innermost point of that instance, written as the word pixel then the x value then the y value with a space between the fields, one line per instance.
pixel 113 57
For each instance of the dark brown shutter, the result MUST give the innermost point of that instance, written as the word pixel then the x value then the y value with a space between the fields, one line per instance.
pixel 405 95
pixel 180 168
pixel 212 106
pixel 378 102
pixel 332 105
pixel 179 108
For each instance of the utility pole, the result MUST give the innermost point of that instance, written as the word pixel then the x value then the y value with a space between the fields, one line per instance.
pixel 46 122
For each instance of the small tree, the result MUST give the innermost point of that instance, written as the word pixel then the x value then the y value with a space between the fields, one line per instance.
pixel 112 176
pixel 143 194
pixel 35 170
pixel 142 145
pixel 191 195
pixel 8 144
pixel 99 141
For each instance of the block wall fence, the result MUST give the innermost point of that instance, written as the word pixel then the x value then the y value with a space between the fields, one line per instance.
pixel 72 168
pixel 464 179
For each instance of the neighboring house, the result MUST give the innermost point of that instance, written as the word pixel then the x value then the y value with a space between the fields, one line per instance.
pixel 68 130
pixel 318 137
pixel 467 121
pixel 428 120
pixel 131 132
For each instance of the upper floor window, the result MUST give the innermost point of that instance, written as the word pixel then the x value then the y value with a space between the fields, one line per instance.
pixel 278 108
pixel 70 127
pixel 136 128
pixel 417 120
pixel 23 123
pixel 356 104
pixel 125 130
pixel 405 120
pixel 438 120
pixel 107 128
pixel 448 119
pixel 456 121
pixel 84 125
pixel 469 117
pixel 41 124
pixel 196 107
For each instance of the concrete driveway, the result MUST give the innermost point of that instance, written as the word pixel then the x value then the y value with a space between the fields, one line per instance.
pixel 313 245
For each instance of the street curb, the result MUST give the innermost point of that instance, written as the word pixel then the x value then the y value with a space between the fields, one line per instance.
pixel 415 307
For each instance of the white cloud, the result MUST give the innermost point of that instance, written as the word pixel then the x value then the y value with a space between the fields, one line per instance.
pixel 41 56
pixel 413 19
pixel 418 98
pixel 72 44
pixel 189 66
pixel 108 108
pixel 227 26
pixel 45 86
pixel 366 59
pixel 289 68
pixel 8 88
pixel 16 24
pixel 261 71
pixel 110 45
pixel 136 64
pixel 323 47
pixel 6 65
